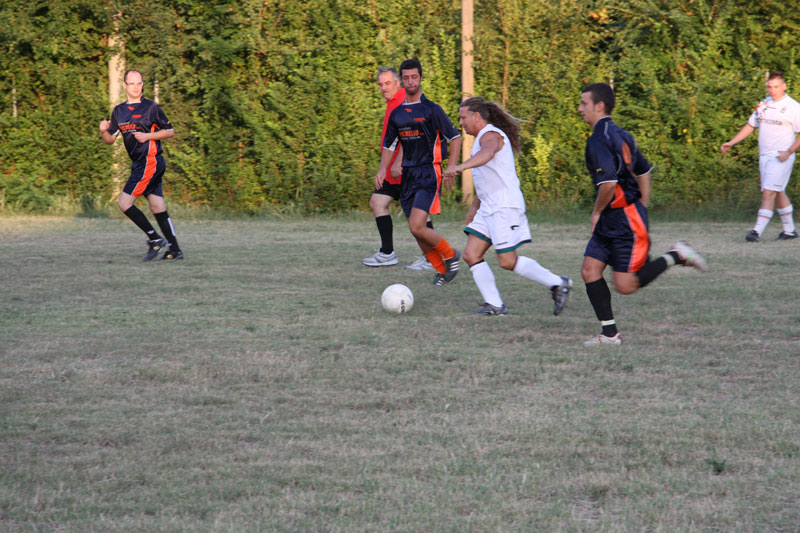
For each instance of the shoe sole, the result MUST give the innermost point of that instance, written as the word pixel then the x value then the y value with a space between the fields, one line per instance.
pixel 386 264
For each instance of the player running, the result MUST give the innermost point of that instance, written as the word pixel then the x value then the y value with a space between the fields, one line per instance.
pixel 143 126
pixel 497 216
pixel 778 121
pixel 619 225
pixel 423 130
pixel 391 90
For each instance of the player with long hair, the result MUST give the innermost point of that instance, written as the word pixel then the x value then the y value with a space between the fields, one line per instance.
pixel 497 215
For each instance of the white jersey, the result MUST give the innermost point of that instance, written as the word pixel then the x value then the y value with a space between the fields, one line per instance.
pixel 778 123
pixel 496 182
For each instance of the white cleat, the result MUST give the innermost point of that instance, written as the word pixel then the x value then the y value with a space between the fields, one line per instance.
pixel 689 256
pixel 421 263
pixel 616 340
pixel 380 259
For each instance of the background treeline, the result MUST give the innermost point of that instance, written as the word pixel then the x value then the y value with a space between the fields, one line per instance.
pixel 275 106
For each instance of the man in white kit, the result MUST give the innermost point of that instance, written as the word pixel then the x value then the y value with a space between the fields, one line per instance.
pixel 497 215
pixel 778 120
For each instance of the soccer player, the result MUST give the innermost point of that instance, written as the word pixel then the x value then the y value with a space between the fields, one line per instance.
pixel 777 118
pixel 497 216
pixel 391 90
pixel 143 126
pixel 423 130
pixel 619 226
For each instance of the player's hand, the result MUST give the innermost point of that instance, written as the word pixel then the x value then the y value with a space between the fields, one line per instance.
pixel 725 147
pixel 104 124
pixel 379 177
pixel 397 171
pixel 784 155
pixel 470 216
pixel 450 172
pixel 141 136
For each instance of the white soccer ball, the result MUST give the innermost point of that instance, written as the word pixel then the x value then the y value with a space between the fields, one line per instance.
pixel 397 298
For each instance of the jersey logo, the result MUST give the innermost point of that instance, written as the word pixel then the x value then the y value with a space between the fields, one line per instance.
pixel 407 110
pixel 137 116
pixel 131 108
pixel 513 227
pixel 419 119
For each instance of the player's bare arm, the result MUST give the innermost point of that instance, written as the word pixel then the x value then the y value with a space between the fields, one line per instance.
pixel 107 137
pixel 491 143
pixel 142 136
pixel 449 173
pixel 739 137
pixel 786 154
pixel 386 158
pixel 644 188
pixel 473 209
pixel 397 166
pixel 605 193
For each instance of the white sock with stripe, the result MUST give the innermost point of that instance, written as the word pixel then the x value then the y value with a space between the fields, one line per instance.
pixel 763 219
pixel 484 279
pixel 786 218
pixel 530 269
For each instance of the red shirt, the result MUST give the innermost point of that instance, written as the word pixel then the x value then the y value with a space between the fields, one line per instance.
pixel 398 98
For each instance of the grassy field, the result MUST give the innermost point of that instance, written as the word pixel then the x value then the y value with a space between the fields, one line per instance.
pixel 258 386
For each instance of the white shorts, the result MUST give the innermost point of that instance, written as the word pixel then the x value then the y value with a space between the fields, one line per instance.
pixel 774 174
pixel 506 229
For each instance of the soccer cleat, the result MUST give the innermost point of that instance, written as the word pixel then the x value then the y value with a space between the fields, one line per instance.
pixel 421 263
pixel 451 266
pixel 561 294
pixel 688 256
pixel 753 236
pixel 616 340
pixel 439 280
pixel 380 259
pixel 172 255
pixel 784 236
pixel 488 309
pixel 155 246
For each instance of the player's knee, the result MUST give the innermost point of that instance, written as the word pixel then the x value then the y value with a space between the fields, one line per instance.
pixel 507 263
pixel 471 258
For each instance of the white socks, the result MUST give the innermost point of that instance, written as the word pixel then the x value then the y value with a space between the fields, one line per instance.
pixel 786 218
pixel 484 279
pixel 763 219
pixel 530 269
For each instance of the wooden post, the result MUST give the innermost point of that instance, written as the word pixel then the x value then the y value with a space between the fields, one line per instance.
pixel 467 90
pixel 116 71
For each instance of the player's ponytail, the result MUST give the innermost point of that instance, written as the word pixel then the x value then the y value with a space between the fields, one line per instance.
pixel 494 114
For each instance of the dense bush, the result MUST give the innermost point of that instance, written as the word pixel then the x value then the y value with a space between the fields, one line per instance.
pixel 275 106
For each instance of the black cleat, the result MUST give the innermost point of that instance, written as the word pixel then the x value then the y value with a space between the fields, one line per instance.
pixel 172 255
pixel 784 236
pixel 561 294
pixel 753 236
pixel 451 266
pixel 155 246
pixel 488 309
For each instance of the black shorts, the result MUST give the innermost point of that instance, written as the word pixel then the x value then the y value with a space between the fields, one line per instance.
pixel 145 178
pixel 389 189
pixel 421 189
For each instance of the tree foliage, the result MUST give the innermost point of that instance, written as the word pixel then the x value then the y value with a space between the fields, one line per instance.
pixel 275 106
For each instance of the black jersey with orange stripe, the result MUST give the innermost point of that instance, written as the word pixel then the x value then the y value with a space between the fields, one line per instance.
pixel 421 128
pixel 612 155
pixel 145 116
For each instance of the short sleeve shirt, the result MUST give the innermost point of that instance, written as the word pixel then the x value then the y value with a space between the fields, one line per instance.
pixel 423 129
pixel 145 116
pixel 778 124
pixel 612 155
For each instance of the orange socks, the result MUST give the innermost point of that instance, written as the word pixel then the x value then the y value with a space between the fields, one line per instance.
pixel 440 252
pixel 445 250
pixel 436 261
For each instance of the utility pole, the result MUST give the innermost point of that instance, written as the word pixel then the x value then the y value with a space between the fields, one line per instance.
pixel 467 91
pixel 116 71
